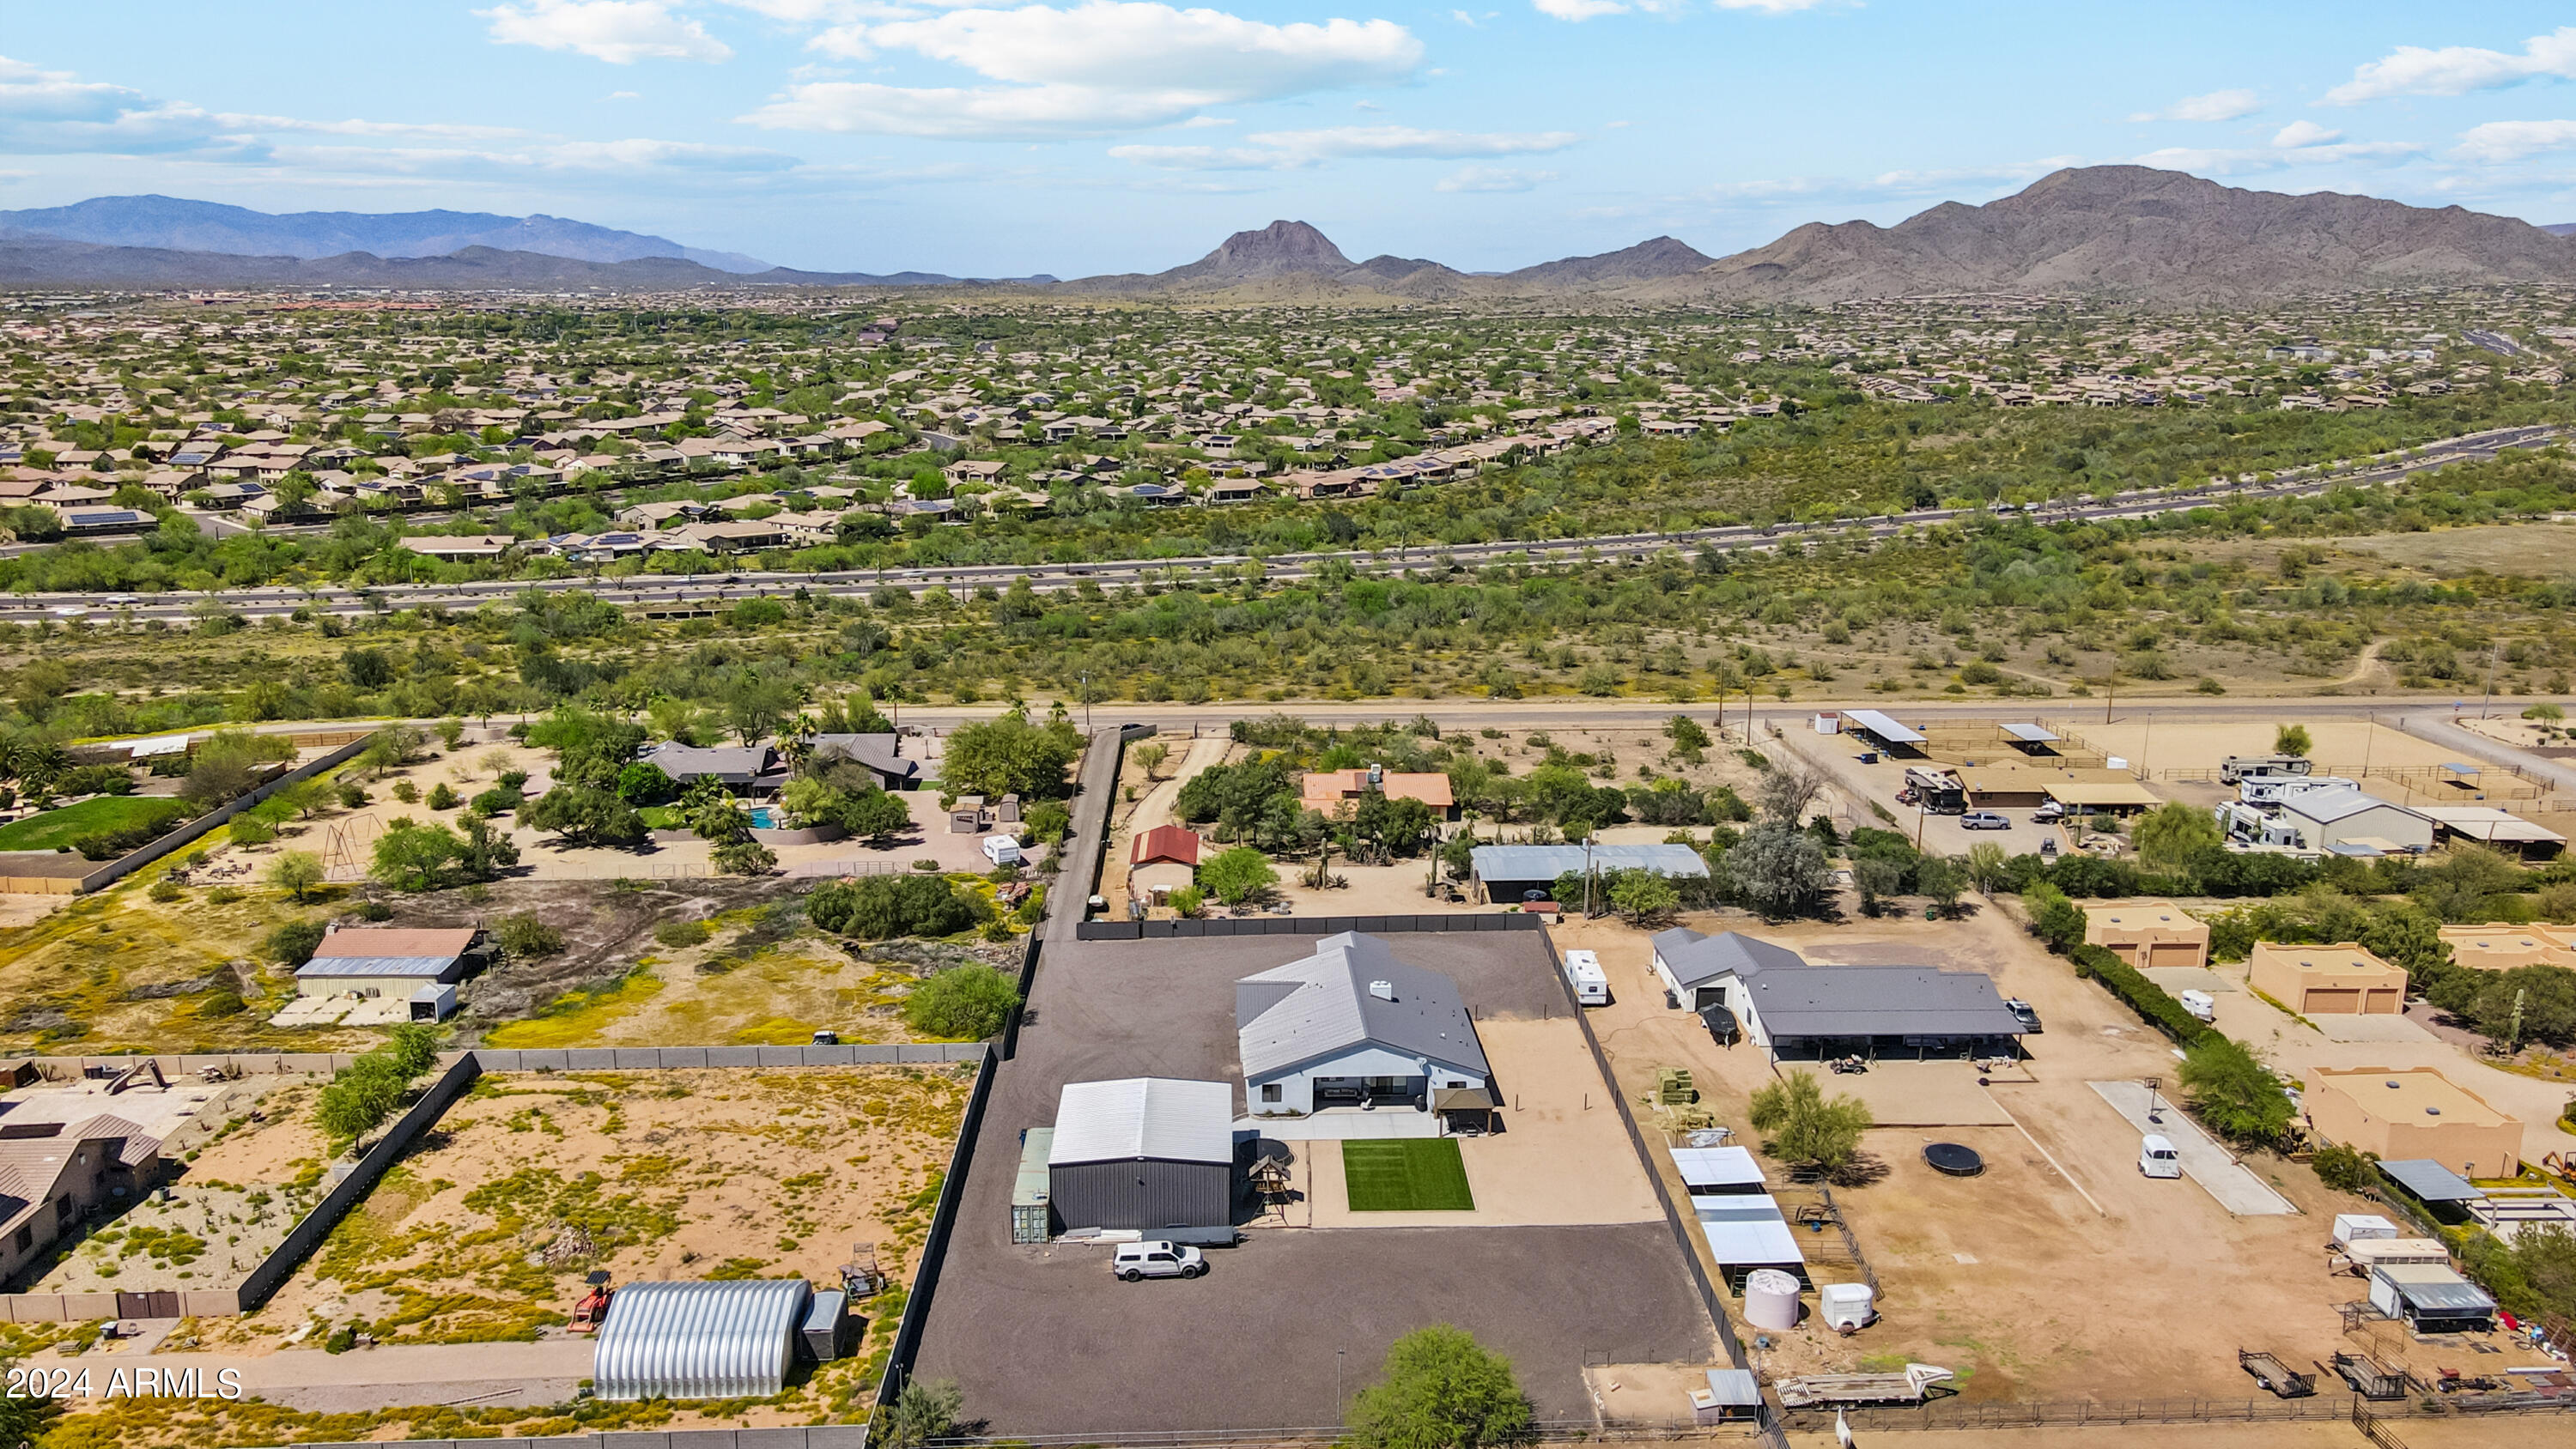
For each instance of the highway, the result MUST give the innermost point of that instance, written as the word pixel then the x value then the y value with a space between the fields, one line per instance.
pixel 710 591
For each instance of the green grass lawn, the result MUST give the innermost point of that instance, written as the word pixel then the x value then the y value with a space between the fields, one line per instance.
pixel 1410 1175
pixel 664 817
pixel 57 828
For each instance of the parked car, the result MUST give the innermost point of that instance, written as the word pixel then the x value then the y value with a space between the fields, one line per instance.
pixel 1984 820
pixel 2024 1013
pixel 1156 1259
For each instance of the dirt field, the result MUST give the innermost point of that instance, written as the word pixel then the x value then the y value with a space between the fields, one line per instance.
pixel 2058 1274
pixel 485 1231
pixel 764 978
pixel 2533 550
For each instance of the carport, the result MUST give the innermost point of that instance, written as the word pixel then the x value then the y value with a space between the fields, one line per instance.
pixel 1885 733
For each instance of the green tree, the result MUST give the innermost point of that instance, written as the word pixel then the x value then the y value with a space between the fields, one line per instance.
pixel 296 872
pixel 228 763
pixel 1940 879
pixel 2291 739
pixel 293 943
pixel 1010 756
pixel 1644 897
pixel 2172 834
pixel 1778 870
pixel 2234 1093
pixel 2345 1169
pixel 962 1003
pixel 371 1089
pixel 584 816
pixel 1441 1389
pixel 1150 758
pixel 1805 1127
pixel 744 857
pixel 878 817
pixel 486 852
pixel 2462 882
pixel 1989 867
pixel 1236 875
pixel 411 856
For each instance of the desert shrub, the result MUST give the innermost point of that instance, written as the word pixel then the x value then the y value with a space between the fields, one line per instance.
pixel 963 1003
pixel 878 907
pixel 2345 1169
pixel 683 933
pixel 524 937
pixel 293 943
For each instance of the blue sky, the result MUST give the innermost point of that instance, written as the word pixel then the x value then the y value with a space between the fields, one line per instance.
pixel 1079 136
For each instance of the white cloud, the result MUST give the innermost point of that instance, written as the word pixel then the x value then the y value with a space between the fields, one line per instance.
pixel 2413 70
pixel 2499 141
pixel 1099 67
pixel 1196 123
pixel 1297 150
pixel 2239 161
pixel 1770 7
pixel 2305 133
pixel 58 95
pixel 620 32
pixel 1579 10
pixel 2215 106
pixel 1491 178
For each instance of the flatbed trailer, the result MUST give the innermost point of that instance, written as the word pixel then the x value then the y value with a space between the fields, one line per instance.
pixel 2274 1375
pixel 1825 1391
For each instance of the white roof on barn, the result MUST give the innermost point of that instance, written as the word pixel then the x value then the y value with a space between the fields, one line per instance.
pixel 1157 1117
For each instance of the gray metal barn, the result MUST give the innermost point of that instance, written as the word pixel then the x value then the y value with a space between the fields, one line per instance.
pixel 726 1340
pixel 1143 1152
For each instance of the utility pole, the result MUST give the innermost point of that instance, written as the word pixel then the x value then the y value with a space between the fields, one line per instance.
pixel 1086 701
pixel 2495 651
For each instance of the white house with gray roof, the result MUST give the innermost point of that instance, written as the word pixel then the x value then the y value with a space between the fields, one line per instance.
pixel 1353 1027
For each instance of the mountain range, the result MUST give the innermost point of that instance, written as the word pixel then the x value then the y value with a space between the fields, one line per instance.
pixel 167 223
pixel 2127 233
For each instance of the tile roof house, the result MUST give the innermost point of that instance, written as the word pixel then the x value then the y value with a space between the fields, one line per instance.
pixel 1335 792
pixel 52 1174
pixel 1161 861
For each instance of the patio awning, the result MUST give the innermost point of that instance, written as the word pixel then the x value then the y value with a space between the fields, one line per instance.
pixel 1462 1099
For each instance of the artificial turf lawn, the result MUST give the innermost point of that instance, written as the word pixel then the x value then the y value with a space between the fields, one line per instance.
pixel 57 828
pixel 1410 1175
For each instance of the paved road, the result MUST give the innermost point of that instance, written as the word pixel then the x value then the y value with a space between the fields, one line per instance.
pixel 714 591
pixel 2204 1161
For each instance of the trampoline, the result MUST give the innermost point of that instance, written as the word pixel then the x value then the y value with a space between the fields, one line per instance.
pixel 1953 1160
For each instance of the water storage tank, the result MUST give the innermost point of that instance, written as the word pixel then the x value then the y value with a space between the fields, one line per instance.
pixel 1846 1307
pixel 1770 1299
